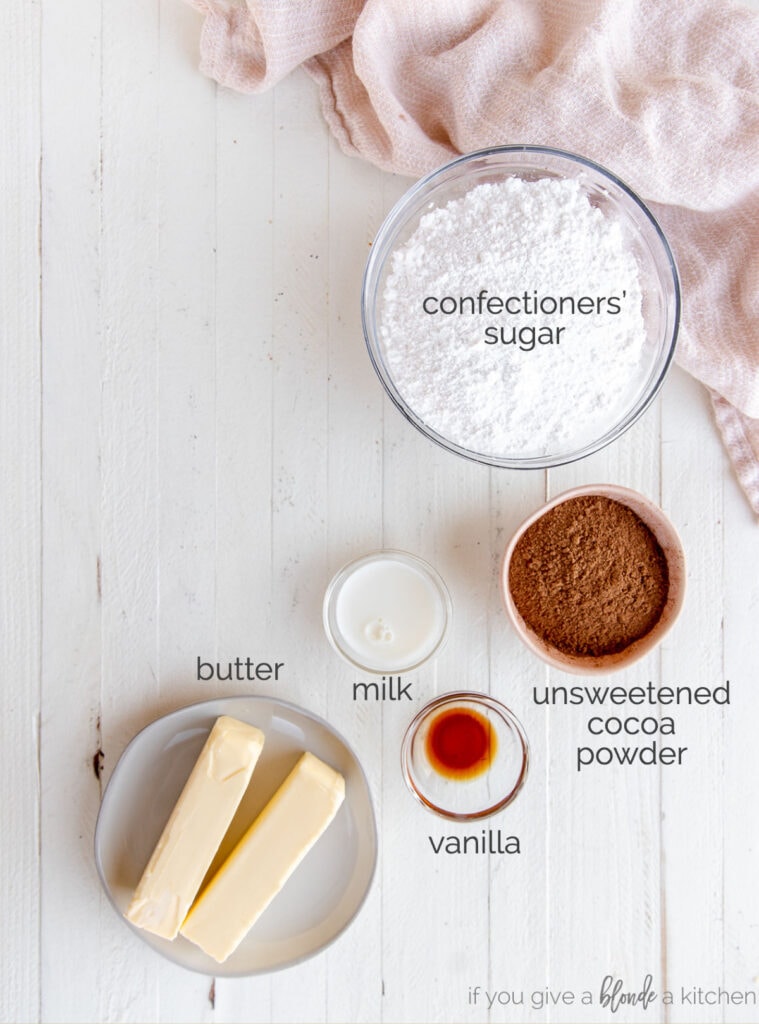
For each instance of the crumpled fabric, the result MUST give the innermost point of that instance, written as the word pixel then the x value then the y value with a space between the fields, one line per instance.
pixel 665 93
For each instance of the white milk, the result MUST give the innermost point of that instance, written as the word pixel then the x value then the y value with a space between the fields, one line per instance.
pixel 389 613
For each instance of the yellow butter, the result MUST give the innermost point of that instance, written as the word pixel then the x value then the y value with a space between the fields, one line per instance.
pixel 266 856
pixel 194 831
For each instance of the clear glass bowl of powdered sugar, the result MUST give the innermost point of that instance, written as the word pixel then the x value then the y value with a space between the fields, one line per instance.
pixel 521 306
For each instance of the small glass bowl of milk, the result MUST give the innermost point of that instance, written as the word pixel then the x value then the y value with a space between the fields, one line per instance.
pixel 387 612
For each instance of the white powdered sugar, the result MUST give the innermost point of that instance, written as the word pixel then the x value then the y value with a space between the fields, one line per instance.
pixel 511 321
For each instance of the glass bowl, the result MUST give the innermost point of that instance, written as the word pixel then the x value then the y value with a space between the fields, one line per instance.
pixel 464 756
pixel 387 612
pixel 642 236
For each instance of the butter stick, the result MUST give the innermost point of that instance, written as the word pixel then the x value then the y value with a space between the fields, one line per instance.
pixel 194 831
pixel 266 856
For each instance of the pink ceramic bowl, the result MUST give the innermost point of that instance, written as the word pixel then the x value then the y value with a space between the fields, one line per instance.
pixel 670 544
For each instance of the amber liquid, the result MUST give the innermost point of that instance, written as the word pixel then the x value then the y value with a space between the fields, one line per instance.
pixel 460 743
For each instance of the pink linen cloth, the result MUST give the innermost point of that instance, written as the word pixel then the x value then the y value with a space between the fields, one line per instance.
pixel 665 93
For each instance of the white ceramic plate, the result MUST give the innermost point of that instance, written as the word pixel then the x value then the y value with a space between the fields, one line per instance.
pixel 324 893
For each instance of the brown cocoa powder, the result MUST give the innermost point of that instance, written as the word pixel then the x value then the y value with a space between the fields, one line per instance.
pixel 589 577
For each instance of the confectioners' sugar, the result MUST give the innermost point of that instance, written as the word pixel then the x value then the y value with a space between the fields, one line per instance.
pixel 511 320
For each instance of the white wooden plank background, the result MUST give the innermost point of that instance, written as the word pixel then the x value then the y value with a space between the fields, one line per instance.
pixel 193 441
pixel 20 512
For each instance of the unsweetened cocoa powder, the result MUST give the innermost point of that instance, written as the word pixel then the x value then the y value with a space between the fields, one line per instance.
pixel 589 577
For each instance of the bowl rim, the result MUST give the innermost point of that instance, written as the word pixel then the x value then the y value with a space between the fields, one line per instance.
pixel 661 526
pixel 378 256
pixel 459 697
